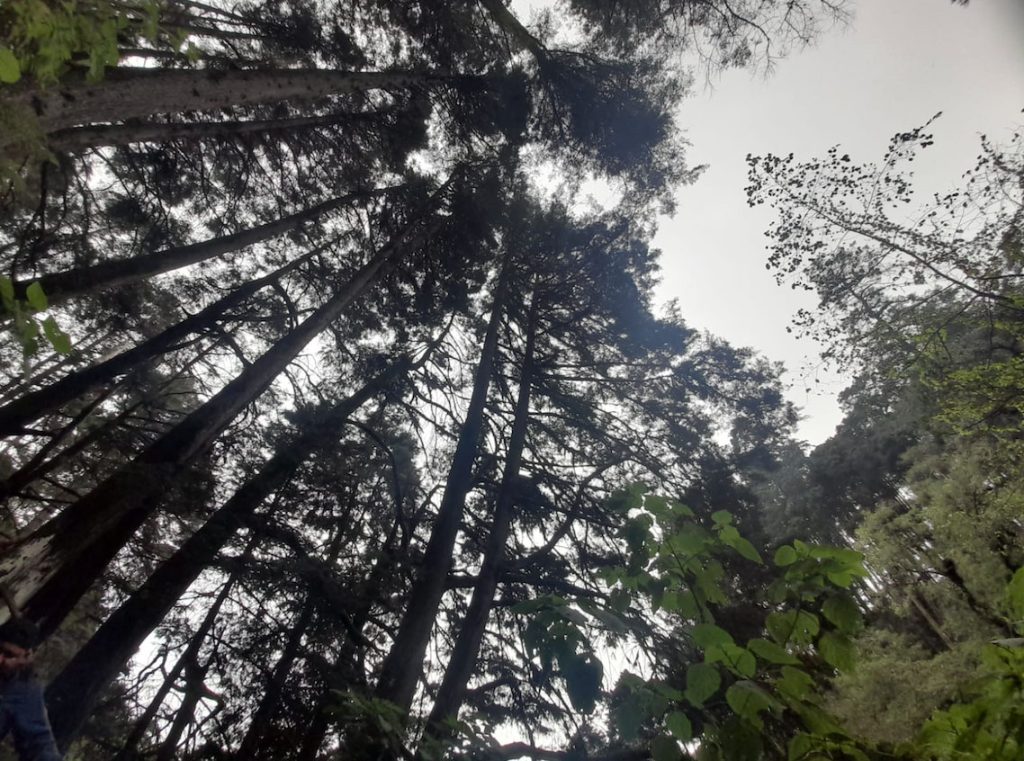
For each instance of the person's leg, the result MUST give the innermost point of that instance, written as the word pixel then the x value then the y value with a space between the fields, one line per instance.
pixel 33 738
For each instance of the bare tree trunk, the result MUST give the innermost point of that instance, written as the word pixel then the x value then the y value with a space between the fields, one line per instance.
pixel 73 693
pixel 467 645
pixel 15 415
pixel 78 139
pixel 49 570
pixel 61 286
pixel 401 667
pixel 129 93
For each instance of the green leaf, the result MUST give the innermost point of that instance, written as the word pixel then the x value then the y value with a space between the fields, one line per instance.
pixel 838 650
pixel 702 681
pixel 770 652
pixel 722 517
pixel 10 69
pixel 664 748
pixel 58 339
pixel 843 612
pixel 709 635
pixel 628 716
pixel 795 683
pixel 1015 594
pixel 7 293
pixel 36 297
pixel 682 602
pixel 792 626
pixel 583 675
pixel 800 746
pixel 738 659
pixel 785 555
pixel 610 620
pixel 679 725
pixel 744 548
pixel 748 700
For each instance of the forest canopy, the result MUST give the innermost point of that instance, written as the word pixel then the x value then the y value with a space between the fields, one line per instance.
pixel 330 430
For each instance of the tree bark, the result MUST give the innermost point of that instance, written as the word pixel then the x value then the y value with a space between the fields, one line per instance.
pixel 78 139
pixel 74 691
pixel 50 569
pixel 401 667
pixel 15 415
pixel 128 93
pixel 61 286
pixel 467 645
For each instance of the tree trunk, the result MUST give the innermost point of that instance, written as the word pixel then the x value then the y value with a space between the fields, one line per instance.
pixel 50 569
pixel 463 658
pixel 61 286
pixel 128 751
pixel 195 676
pixel 15 415
pixel 129 93
pixel 73 693
pixel 260 723
pixel 78 139
pixel 401 667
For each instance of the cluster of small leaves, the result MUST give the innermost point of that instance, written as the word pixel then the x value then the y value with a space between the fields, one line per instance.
pixel 738 697
pixel 24 323
pixel 43 40
pixel 991 725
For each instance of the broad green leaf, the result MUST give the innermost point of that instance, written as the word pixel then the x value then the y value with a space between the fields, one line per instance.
pixel 801 745
pixel 681 602
pixel 620 600
pixel 36 297
pixel 1015 595
pixel 709 635
pixel 843 612
pixel 583 675
pixel 628 716
pixel 738 659
pixel 795 683
pixel 785 555
pixel 722 517
pixel 838 650
pixel 679 725
pixel 664 748
pixel 10 69
pixel 771 652
pixel 748 700
pixel 792 626
pixel 58 339
pixel 702 681
pixel 745 549
pixel 610 620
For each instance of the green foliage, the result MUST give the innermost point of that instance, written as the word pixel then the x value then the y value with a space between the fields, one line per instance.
pixel 43 40
pixel 26 327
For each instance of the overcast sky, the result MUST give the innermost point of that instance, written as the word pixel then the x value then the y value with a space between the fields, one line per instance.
pixel 898 63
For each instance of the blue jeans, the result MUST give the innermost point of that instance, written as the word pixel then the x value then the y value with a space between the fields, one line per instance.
pixel 23 712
